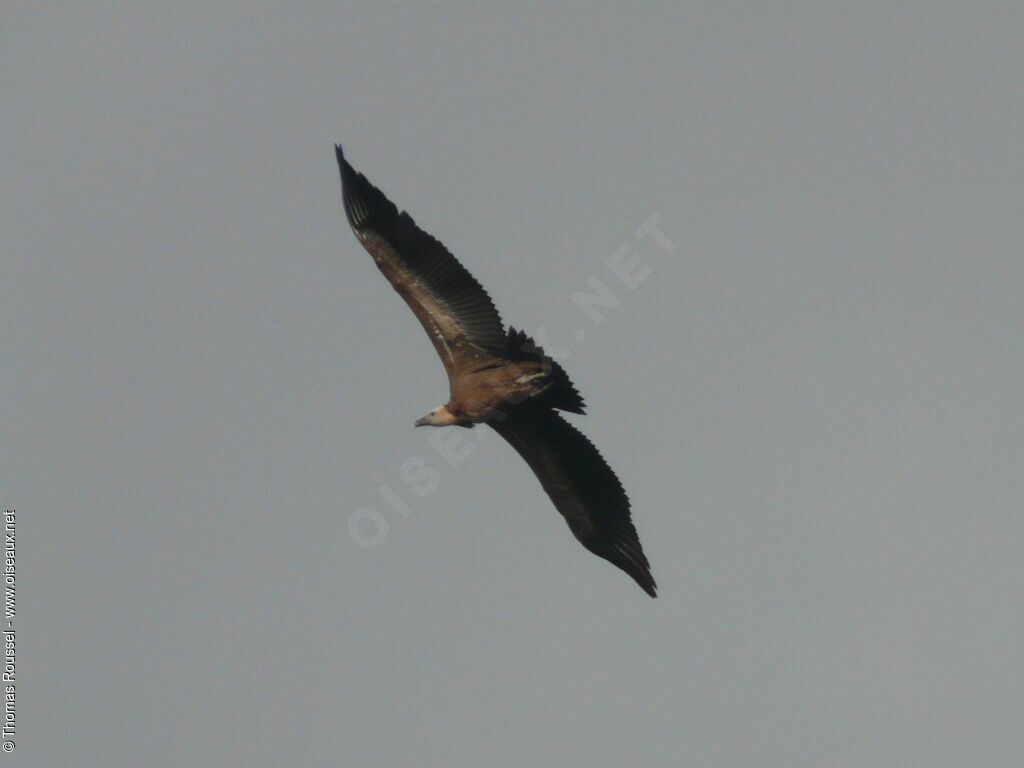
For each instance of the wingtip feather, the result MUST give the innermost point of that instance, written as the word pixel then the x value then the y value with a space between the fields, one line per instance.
pixel 649 586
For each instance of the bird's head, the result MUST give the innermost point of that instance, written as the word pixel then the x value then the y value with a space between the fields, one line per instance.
pixel 438 417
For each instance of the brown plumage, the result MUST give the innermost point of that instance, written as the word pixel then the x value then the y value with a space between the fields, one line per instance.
pixel 497 377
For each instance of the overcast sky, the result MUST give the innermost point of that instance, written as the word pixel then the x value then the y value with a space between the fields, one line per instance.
pixel 814 399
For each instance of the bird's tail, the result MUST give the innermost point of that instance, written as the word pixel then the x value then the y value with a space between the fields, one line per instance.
pixel 561 393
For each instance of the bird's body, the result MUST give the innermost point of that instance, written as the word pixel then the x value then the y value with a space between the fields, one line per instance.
pixel 495 384
pixel 495 387
pixel 497 376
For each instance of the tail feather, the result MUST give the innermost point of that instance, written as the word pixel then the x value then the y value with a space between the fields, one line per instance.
pixel 562 393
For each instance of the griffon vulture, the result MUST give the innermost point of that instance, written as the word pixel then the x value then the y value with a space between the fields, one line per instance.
pixel 496 376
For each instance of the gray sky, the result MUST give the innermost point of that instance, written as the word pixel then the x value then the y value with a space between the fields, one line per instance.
pixel 814 399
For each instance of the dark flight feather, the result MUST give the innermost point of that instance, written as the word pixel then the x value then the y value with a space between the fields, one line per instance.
pixel 582 486
pixel 421 265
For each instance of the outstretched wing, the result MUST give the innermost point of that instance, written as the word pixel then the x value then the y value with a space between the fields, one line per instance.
pixel 452 306
pixel 582 486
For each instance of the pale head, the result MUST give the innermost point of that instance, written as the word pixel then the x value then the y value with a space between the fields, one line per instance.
pixel 438 417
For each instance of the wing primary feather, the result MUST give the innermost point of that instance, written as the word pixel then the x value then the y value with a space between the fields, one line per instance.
pixel 449 302
pixel 582 486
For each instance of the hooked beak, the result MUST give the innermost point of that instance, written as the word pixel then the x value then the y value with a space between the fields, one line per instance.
pixel 421 422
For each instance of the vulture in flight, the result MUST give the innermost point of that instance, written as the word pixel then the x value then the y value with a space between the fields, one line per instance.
pixel 496 376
